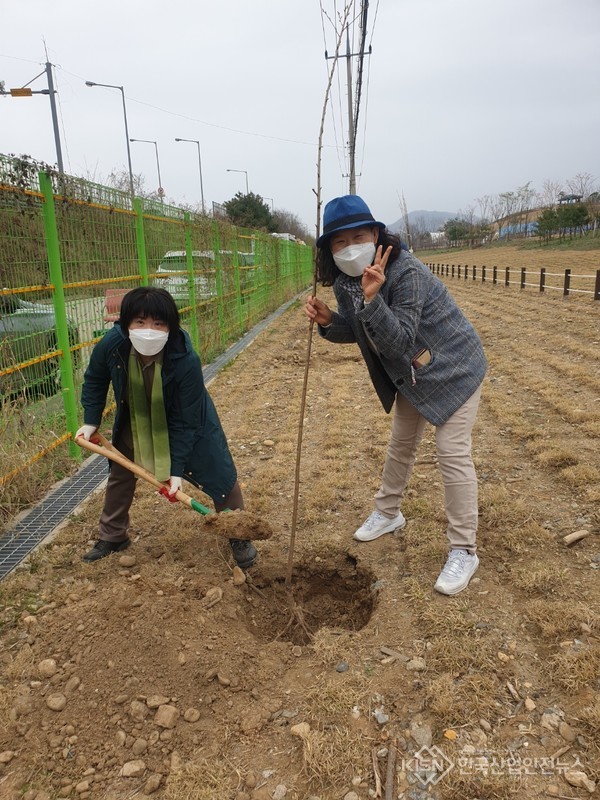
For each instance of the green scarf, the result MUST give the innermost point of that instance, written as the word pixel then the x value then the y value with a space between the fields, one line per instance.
pixel 148 421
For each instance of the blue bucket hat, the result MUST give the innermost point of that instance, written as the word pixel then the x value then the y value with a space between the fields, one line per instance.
pixel 349 211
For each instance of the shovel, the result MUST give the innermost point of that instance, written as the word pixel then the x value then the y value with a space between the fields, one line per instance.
pixel 236 524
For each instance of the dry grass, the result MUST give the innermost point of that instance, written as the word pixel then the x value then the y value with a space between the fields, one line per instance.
pixel 521 540
pixel 576 669
pixel 590 717
pixel 483 787
pixel 458 701
pixel 557 458
pixel 498 509
pixel 21 665
pixel 203 780
pixel 326 700
pixel 540 577
pixel 333 757
pixel 558 619
pixel 459 653
pixel 580 475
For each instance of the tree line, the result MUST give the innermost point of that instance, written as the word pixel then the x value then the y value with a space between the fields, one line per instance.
pixel 520 213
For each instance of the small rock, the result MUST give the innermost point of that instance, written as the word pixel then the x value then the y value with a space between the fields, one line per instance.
pixel 553 789
pixel 139 747
pixel 83 786
pixel 268 443
pixel 127 561
pixel 451 735
pixel 152 783
pixel 567 732
pixel 551 718
pixel 483 723
pixel 6 756
pixel 351 796
pixel 529 704
pixel 47 668
pixel 421 733
pixel 56 701
pixel 191 715
pixel 72 684
pixel 580 780
pixel 250 780
pixel 416 664
pixel 504 657
pixel 296 650
pixel 156 700
pixel 133 769
pixel 381 717
pixel 239 576
pixel 302 729
pixel 223 680
pixel 342 667
pixel 166 716
pixel 280 792
pixel 138 710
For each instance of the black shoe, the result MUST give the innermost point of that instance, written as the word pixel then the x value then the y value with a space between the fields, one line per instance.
pixel 244 552
pixel 102 549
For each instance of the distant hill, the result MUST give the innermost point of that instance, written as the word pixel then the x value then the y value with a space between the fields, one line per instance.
pixel 427 220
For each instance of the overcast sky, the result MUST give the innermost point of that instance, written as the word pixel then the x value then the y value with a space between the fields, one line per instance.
pixel 461 98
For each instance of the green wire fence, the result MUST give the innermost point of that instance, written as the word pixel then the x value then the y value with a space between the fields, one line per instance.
pixel 69 250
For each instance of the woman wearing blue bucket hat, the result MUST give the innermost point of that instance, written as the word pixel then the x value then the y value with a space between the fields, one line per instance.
pixel 423 356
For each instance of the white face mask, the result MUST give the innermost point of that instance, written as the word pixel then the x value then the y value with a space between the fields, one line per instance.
pixel 147 341
pixel 353 259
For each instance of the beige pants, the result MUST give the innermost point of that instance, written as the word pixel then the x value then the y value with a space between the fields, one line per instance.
pixel 453 442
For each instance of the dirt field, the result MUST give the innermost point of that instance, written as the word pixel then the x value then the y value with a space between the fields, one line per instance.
pixel 166 678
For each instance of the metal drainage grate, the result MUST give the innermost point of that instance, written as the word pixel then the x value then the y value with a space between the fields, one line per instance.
pixel 38 523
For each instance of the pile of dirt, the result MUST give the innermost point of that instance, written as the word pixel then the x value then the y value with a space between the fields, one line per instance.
pixel 161 672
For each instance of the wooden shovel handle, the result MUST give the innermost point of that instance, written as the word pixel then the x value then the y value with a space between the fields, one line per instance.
pixel 111 452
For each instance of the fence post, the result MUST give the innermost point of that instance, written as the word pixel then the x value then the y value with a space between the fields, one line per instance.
pixel 219 279
pixel 466 271
pixel 495 276
pixel 140 239
pixel 474 272
pixel 452 270
pixel 567 285
pixel 238 285
pixel 507 276
pixel 542 279
pixel 65 361
pixel 191 280
pixel 523 277
pixel 483 274
pixel 597 287
pixel 458 271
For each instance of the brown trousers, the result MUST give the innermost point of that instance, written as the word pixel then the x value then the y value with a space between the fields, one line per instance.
pixel 453 442
pixel 114 520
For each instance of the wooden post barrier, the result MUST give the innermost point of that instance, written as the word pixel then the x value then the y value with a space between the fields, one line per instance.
pixel 507 276
pixel 474 272
pixel 495 276
pixel 483 274
pixel 542 279
pixel 597 287
pixel 567 284
pixel 523 277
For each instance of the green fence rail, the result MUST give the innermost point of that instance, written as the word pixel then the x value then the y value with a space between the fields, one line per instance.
pixel 69 250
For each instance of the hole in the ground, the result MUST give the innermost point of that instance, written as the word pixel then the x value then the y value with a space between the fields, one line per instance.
pixel 332 595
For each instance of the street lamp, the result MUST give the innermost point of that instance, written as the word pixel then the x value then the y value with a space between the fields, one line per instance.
pixel 161 191
pixel 271 199
pixel 120 88
pixel 245 173
pixel 199 167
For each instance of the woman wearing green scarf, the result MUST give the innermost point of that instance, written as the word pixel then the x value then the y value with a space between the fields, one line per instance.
pixel 165 420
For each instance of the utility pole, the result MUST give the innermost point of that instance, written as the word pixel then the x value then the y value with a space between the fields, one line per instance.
pixel 351 136
pixel 54 116
pixel 353 108
pixel 25 91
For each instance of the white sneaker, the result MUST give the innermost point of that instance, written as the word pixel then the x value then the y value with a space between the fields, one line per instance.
pixel 458 571
pixel 377 524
